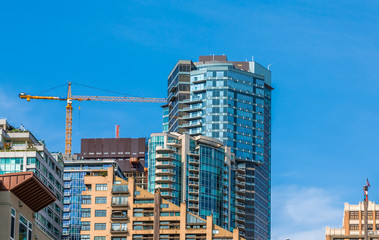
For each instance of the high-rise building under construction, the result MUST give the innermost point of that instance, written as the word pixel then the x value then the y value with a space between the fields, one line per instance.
pixel 229 101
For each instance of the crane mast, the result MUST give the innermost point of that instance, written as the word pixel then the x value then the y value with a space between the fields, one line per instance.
pixel 70 99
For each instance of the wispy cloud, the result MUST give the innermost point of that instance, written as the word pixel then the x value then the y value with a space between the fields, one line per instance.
pixel 303 213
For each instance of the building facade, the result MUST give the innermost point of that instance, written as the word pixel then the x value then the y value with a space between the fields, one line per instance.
pixel 20 151
pixel 129 153
pixel 231 101
pixel 74 173
pixel 196 170
pixel 353 223
pixel 116 209
pixel 18 205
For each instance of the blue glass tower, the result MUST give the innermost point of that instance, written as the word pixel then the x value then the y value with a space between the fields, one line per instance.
pixel 231 101
pixel 196 170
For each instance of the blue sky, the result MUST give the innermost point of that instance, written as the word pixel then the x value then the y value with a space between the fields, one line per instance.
pixel 325 74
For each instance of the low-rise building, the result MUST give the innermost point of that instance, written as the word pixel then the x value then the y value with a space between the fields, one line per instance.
pixel 21 196
pixel 20 151
pixel 353 223
pixel 116 209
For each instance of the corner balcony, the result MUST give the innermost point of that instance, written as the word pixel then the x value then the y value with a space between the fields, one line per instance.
pixel 193 199
pixel 240 198
pixel 160 149
pixel 240 205
pixel 193 100
pixel 164 172
pixel 167 195
pixel 165 164
pixel 165 156
pixel 174 143
pixel 193 206
pixel 240 212
pixel 192 108
pixel 164 180
pixel 193 161
pixel 240 176
pixel 166 187
pixel 193 116
pixel 193 191
pixel 240 219
pixel 192 125
pixel 240 191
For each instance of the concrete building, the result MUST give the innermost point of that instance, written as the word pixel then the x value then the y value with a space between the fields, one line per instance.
pixel 20 151
pixel 21 196
pixel 353 223
pixel 231 101
pixel 74 172
pixel 115 209
pixel 195 170
pixel 129 153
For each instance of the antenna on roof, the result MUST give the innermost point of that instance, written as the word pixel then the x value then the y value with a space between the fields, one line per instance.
pixel 252 58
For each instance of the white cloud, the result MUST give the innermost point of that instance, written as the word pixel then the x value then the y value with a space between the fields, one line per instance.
pixel 303 213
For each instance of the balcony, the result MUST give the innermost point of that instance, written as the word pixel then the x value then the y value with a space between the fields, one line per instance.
pixel 164 172
pixel 240 191
pixel 193 169
pixel 66 209
pixel 241 177
pixel 194 161
pixel 239 198
pixel 167 194
pixel 116 217
pixel 195 107
pixel 193 199
pixel 241 226
pixel 166 187
pixel 119 201
pixel 173 143
pixel 193 100
pixel 240 184
pixel 164 180
pixel 67 193
pixel 165 149
pixel 240 205
pixel 194 153
pixel 193 191
pixel 240 212
pixel 120 189
pixel 165 156
pixel 193 206
pixel 119 228
pixel 191 125
pixel 193 176
pixel 193 116
pixel 168 164
pixel 240 219
pixel 193 183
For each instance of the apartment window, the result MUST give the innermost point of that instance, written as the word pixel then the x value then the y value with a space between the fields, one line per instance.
pixel 354 227
pixel 119 227
pixel 85 237
pixel 119 238
pixel 101 200
pixel 99 238
pixel 136 193
pixel 100 213
pixel 354 215
pixel 86 226
pixel 86 212
pixel 369 216
pixel 100 226
pixel 13 221
pixel 24 229
pixel 86 199
pixel 164 205
pixel 101 187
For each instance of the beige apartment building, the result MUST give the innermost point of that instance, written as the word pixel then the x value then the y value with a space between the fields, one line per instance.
pixel 115 209
pixel 353 223
pixel 21 196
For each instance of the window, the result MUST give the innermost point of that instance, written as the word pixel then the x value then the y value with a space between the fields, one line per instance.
pixel 101 187
pixel 101 200
pixel 120 200
pixel 86 212
pixel 100 213
pixel 24 229
pixel 164 205
pixel 85 237
pixel 86 226
pixel 99 238
pixel 13 221
pixel 119 238
pixel 137 193
pixel 86 199
pixel 119 227
pixel 354 215
pixel 100 226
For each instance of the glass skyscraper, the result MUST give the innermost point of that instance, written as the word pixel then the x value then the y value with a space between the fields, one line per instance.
pixel 231 101
pixel 195 170
pixel 74 172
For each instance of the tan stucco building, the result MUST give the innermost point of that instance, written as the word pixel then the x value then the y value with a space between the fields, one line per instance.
pixel 21 196
pixel 115 209
pixel 353 223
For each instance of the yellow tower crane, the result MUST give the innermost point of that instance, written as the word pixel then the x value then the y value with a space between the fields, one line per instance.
pixel 70 98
